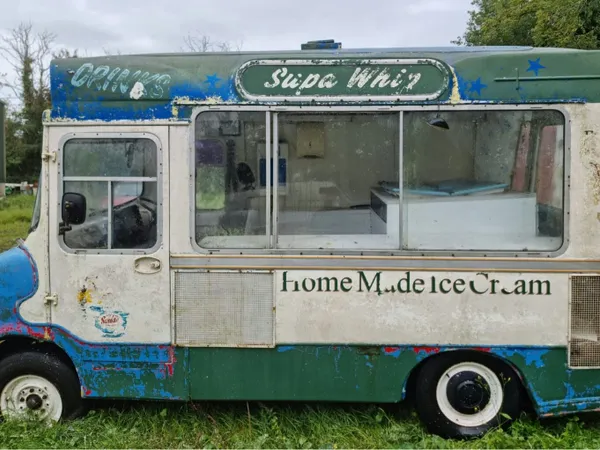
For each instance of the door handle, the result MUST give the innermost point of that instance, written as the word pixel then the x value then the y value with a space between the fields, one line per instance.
pixel 147 265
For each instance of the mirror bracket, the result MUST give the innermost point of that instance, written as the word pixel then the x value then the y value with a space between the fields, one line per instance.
pixel 63 228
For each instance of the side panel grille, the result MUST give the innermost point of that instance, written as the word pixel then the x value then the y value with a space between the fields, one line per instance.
pixel 584 310
pixel 223 309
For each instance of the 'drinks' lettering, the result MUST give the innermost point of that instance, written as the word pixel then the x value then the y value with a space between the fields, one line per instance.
pixel 369 282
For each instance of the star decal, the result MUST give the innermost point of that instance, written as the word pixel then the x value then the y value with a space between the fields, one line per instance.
pixel 535 66
pixel 212 80
pixel 477 86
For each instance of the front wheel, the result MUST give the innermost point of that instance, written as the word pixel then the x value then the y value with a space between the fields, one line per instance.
pixel 38 386
pixel 459 396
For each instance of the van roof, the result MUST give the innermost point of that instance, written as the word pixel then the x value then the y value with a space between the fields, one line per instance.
pixel 168 85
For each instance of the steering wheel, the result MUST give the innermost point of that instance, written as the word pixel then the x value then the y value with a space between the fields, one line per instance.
pixel 152 206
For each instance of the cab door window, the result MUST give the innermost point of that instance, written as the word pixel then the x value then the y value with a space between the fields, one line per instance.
pixel 119 179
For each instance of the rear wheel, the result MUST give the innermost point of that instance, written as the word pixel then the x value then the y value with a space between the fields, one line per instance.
pixel 38 386
pixel 465 395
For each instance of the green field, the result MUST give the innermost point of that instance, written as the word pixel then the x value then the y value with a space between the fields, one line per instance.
pixel 259 425
pixel 15 218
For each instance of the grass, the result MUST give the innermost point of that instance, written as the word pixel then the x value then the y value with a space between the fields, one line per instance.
pixel 234 425
pixel 15 218
pixel 259 425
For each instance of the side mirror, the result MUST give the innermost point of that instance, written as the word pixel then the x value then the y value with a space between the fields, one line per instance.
pixel 73 211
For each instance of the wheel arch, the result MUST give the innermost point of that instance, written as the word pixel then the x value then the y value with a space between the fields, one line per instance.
pixel 12 344
pixel 409 390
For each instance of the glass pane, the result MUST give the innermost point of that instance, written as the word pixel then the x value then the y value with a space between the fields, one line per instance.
pixel 110 157
pixel 492 181
pixel 333 169
pixel 134 215
pixel 230 203
pixel 37 207
pixel 93 233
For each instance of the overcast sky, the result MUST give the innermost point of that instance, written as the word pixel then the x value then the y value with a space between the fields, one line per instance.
pixel 140 26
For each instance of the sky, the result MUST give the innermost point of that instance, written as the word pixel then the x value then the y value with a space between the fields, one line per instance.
pixel 150 26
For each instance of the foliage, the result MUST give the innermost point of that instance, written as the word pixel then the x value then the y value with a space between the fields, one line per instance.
pixel 202 43
pixel 29 55
pixel 539 23
pixel 15 217
pixel 266 426
pixel 16 166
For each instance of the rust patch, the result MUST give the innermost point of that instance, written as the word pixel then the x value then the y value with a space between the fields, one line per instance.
pixel 84 296
pixel 370 350
pixel 595 182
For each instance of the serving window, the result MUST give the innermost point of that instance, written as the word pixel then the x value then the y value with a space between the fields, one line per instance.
pixel 463 180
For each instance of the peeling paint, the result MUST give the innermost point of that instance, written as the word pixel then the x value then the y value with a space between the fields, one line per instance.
pixel 455 96
pixel 84 296
pixel 285 348
pixel 392 351
pixel 531 356
pixel 137 91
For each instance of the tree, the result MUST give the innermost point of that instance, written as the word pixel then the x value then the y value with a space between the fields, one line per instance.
pixel 28 53
pixel 539 23
pixel 65 53
pixel 15 153
pixel 202 43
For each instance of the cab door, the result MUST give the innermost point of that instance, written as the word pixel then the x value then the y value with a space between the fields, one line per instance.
pixel 109 272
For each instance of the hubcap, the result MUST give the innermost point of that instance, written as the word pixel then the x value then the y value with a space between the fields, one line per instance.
pixel 34 401
pixel 469 394
pixel 31 396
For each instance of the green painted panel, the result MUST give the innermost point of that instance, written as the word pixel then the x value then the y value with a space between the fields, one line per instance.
pixel 298 80
pixel 554 387
pixel 319 373
pixel 308 373
pixel 553 76
pixel 372 374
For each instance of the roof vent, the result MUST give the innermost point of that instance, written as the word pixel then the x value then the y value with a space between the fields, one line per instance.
pixel 321 45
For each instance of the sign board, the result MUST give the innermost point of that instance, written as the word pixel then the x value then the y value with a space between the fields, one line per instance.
pixel 334 80
pixel 445 307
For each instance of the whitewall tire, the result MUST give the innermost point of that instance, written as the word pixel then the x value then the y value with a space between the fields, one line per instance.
pixel 463 395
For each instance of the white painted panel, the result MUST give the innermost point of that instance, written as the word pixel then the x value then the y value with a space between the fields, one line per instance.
pixel 101 297
pixel 180 188
pixel 584 182
pixel 427 317
pixel 37 244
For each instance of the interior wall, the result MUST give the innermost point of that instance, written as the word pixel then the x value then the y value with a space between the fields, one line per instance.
pixel 434 155
pixel 360 151
pixel 497 139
